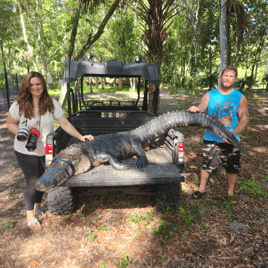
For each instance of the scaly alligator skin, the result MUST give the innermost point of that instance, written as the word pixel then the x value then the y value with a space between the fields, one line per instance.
pixel 79 158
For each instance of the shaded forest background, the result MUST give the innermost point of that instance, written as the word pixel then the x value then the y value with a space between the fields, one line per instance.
pixel 183 37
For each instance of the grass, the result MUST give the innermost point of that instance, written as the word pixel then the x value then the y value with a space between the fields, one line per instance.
pixel 55 92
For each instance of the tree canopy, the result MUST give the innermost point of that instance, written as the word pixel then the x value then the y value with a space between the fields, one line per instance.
pixel 41 35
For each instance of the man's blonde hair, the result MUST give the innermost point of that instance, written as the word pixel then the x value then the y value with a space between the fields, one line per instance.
pixel 229 68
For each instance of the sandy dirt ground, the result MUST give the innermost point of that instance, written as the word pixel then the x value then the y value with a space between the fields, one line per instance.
pixel 128 231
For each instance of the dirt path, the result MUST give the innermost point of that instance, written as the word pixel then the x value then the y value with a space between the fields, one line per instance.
pixel 104 232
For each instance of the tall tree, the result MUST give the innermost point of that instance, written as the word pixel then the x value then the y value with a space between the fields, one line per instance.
pixel 92 38
pixel 231 10
pixel 223 36
pixel 157 16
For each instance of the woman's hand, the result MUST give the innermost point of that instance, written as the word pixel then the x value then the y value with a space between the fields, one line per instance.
pixel 87 137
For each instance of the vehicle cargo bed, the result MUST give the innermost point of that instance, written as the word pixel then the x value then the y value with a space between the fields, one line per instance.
pixel 159 170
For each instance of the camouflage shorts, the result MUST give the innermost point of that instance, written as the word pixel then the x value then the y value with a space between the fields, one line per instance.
pixel 212 153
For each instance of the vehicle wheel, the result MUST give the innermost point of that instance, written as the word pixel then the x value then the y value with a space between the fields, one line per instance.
pixel 168 196
pixel 60 200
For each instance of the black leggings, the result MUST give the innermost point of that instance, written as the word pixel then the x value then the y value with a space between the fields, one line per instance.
pixel 33 167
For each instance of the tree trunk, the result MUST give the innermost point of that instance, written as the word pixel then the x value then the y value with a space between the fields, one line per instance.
pixel 223 37
pixel 41 39
pixel 63 94
pixel 92 39
pixel 26 40
pixel 91 90
pixel 5 71
pixel 102 82
pixel 228 31
pixel 237 50
pixel 156 15
pixel 210 86
pixel 74 30
pixel 120 83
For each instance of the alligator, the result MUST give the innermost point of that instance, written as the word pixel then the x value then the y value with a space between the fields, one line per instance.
pixel 79 158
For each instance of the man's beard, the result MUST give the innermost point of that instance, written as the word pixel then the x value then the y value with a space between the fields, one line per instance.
pixel 227 87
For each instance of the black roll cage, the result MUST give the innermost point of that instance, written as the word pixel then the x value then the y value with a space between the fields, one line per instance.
pixel 75 70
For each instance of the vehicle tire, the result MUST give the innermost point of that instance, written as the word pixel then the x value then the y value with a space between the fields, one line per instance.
pixel 168 196
pixel 60 200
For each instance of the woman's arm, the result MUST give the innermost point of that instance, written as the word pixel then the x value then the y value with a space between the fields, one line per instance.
pixel 70 129
pixel 12 124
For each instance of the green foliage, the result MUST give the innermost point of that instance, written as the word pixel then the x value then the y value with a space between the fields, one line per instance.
pixel 252 187
pixel 103 228
pixel 186 217
pixel 227 201
pixel 8 224
pixel 197 180
pixel 204 226
pixel 191 50
pixel 229 217
pixel 164 229
pixel 245 85
pixel 91 238
pixel 140 218
pixel 127 261
pixel 68 216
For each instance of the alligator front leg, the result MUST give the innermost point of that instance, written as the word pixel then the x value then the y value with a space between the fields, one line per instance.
pixel 136 145
pixel 104 157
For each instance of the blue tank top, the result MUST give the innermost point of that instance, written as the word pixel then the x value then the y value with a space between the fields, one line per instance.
pixel 225 109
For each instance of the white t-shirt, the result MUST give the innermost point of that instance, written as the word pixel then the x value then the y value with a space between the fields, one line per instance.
pixel 43 124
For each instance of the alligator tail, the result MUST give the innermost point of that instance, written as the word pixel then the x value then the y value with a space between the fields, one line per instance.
pixel 163 123
pixel 71 161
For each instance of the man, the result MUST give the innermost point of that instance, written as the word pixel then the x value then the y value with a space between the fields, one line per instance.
pixel 230 107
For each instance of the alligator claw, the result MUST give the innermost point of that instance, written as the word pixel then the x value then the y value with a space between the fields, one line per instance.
pixel 126 166
pixel 141 162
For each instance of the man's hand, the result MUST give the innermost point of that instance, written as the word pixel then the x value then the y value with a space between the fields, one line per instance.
pixel 193 109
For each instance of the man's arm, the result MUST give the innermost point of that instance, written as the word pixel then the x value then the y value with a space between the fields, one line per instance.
pixel 243 115
pixel 202 107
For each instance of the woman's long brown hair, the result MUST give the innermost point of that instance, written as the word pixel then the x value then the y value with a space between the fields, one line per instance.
pixel 25 99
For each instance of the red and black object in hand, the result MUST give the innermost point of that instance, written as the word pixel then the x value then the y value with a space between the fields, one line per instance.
pixel 32 140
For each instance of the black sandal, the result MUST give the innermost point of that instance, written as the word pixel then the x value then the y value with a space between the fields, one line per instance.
pixel 197 195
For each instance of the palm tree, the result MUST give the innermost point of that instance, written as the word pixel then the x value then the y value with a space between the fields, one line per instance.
pixel 232 11
pixel 157 16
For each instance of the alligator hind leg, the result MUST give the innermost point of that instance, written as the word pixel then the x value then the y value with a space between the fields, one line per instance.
pixel 104 157
pixel 136 145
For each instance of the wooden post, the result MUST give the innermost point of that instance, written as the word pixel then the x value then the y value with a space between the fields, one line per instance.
pixel 8 103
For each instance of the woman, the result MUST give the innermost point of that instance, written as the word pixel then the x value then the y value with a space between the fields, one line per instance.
pixel 35 109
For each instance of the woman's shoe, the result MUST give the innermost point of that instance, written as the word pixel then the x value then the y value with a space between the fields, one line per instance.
pixel 34 225
pixel 40 215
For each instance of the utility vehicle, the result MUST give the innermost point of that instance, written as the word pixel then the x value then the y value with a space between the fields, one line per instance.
pixel 162 175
